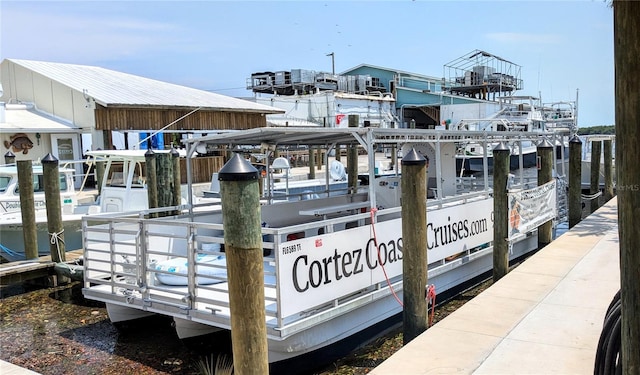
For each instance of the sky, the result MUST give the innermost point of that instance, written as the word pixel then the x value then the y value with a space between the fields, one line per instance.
pixel 564 48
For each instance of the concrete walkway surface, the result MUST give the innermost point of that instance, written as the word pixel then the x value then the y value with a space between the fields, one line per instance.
pixel 543 317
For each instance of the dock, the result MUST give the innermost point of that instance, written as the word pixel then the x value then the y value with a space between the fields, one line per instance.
pixel 543 317
pixel 17 272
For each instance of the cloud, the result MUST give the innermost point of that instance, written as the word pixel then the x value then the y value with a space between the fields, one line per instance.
pixel 64 37
pixel 525 38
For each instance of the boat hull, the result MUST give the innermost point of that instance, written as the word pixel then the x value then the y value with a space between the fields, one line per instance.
pixel 11 237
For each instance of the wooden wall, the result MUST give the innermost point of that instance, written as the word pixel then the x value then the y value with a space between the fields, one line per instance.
pixel 201 168
pixel 123 119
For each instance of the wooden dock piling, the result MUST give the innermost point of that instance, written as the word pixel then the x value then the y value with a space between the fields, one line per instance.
pixel 9 157
pixel 352 159
pixel 626 24
pixel 28 209
pixel 177 193
pixel 546 154
pixel 608 169
pixel 51 175
pixel 575 181
pixel 596 146
pixel 152 180
pixel 414 238
pixel 501 155
pixel 243 247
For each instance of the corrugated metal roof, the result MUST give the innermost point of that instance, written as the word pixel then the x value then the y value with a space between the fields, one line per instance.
pixel 111 89
pixel 24 118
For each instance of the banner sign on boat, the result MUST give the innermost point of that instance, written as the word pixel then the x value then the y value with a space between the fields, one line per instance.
pixel 320 269
pixel 531 208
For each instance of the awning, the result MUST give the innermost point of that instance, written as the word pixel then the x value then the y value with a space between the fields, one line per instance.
pixel 24 118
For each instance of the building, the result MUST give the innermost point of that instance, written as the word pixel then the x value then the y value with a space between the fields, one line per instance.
pixel 65 109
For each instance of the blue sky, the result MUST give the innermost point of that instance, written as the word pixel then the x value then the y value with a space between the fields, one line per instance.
pixel 216 45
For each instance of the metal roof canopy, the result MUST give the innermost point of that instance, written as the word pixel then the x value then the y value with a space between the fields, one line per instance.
pixel 312 136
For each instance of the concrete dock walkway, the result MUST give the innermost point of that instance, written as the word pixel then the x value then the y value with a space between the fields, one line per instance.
pixel 544 317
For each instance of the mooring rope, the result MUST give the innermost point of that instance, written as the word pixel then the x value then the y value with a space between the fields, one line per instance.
pixel 55 238
pixel 608 350
pixel 591 196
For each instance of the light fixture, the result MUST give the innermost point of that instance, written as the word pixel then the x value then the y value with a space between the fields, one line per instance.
pixel 38 138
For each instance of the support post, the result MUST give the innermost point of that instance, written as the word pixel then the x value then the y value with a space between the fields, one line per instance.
pixel 177 181
pixel 608 170
pixel 626 25
pixel 243 246
pixel 51 175
pixel 575 181
pixel 152 180
pixel 546 155
pixel 164 170
pixel 28 209
pixel 414 238
pixel 501 154
pixel 99 175
pixel 312 162
pixel 596 146
pixel 9 157
pixel 352 159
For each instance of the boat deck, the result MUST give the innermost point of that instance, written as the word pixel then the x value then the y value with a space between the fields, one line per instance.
pixel 544 317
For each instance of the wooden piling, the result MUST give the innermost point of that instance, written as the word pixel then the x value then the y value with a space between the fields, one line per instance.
pixel 177 182
pixel 352 159
pixel 51 175
pixel 575 181
pixel 99 175
pixel 164 171
pixel 501 154
pixel 243 247
pixel 626 25
pixel 414 239
pixel 608 169
pixel 9 157
pixel 545 152
pixel 27 208
pixel 152 180
pixel 312 161
pixel 596 146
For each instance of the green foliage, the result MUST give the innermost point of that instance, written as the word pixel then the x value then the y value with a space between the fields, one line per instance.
pixel 602 129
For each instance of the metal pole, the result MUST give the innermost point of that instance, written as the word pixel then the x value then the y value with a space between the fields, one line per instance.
pixel 243 246
pixel 352 159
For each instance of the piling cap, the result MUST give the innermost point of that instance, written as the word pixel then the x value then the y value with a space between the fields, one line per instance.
pixel 149 154
pixel 9 154
pixel 174 152
pixel 545 144
pixel 575 139
pixel 414 158
pixel 238 169
pixel 49 159
pixel 501 147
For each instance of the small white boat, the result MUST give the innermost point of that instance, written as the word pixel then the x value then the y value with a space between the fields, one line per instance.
pixel 123 189
pixel 11 238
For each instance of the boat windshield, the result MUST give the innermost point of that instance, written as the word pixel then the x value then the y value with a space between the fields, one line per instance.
pixel 38 184
pixel 4 183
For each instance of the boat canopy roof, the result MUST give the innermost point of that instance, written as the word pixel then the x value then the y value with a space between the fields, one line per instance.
pixel 129 155
pixel 313 136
